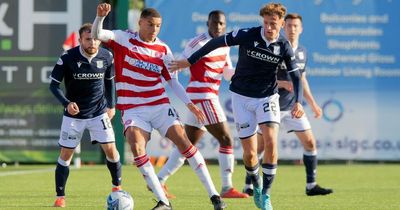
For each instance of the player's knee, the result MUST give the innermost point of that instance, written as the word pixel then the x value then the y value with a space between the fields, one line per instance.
pixel 309 144
pixel 250 155
pixel 113 157
pixel 225 140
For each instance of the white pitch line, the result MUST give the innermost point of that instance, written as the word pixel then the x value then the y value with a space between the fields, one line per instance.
pixel 24 172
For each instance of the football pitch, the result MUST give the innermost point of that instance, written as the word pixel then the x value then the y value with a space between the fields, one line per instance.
pixel 356 186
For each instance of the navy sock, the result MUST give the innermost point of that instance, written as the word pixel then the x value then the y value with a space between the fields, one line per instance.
pixel 269 171
pixel 61 176
pixel 310 162
pixel 252 172
pixel 248 179
pixel 115 171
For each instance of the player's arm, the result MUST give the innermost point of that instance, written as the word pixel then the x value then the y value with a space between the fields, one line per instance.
pixel 58 93
pixel 229 71
pixel 309 97
pixel 98 32
pixel 297 110
pixel 210 46
pixel 179 91
pixel 109 83
pixel 294 72
pixel 56 77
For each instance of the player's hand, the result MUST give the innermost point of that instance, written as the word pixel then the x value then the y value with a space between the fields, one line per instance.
pixel 103 9
pixel 73 108
pixel 111 112
pixel 197 112
pixel 317 111
pixel 178 64
pixel 288 85
pixel 297 110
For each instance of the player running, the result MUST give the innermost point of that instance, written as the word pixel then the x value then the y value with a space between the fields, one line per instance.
pixel 293 27
pixel 254 91
pixel 143 101
pixel 203 89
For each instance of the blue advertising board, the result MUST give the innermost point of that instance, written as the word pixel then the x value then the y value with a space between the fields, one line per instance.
pixel 353 69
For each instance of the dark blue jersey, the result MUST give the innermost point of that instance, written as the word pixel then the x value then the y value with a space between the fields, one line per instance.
pixel 287 99
pixel 86 82
pixel 255 74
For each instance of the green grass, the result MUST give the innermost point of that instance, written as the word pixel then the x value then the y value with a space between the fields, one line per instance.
pixel 372 186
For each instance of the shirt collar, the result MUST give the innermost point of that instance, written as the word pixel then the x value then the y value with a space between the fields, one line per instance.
pixel 265 39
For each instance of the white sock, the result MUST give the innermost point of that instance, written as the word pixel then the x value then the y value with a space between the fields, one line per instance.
pixel 225 159
pixel 248 186
pixel 175 161
pixel 198 165
pixel 311 185
pixel 147 170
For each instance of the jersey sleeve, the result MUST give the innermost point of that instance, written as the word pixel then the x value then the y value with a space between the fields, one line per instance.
pixel 57 75
pixel 289 58
pixel 237 37
pixel 110 72
pixel 228 63
pixel 167 58
pixel 119 35
pixel 305 61
pixel 191 47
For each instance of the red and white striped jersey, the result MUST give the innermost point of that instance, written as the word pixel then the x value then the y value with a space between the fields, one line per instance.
pixel 138 69
pixel 206 73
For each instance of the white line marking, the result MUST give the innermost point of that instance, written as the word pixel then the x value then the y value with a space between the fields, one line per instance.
pixel 11 173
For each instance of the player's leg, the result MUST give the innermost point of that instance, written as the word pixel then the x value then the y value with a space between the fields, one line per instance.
pixel 268 118
pixel 113 165
pixel 252 166
pixel 168 125
pixel 61 175
pixel 177 135
pixel 220 131
pixel 137 139
pixel 137 132
pixel 101 131
pixel 70 136
pixel 270 160
pixel 217 125
pixel 175 159
pixel 310 162
pixel 246 125
pixel 248 186
pixel 194 131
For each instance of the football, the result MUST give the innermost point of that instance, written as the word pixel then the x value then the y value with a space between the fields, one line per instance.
pixel 119 200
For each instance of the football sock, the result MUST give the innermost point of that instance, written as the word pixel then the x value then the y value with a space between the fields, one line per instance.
pixel 196 161
pixel 252 173
pixel 147 170
pixel 114 166
pixel 269 171
pixel 61 175
pixel 175 161
pixel 225 159
pixel 310 163
pixel 247 182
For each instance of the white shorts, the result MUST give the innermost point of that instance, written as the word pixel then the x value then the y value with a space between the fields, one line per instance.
pixel 291 124
pixel 249 112
pixel 211 108
pixel 100 129
pixel 160 117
